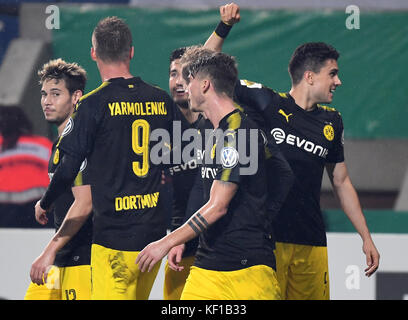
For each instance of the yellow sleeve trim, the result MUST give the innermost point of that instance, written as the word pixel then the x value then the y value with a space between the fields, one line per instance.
pixel 78 180
pixel 103 85
pixel 327 108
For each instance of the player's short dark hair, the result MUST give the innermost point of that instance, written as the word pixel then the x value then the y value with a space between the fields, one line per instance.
pixel 220 67
pixel 177 54
pixel 113 40
pixel 73 74
pixel 310 56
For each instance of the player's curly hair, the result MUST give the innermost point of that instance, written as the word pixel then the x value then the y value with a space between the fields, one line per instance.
pixel 310 56
pixel 73 74
pixel 220 67
pixel 177 53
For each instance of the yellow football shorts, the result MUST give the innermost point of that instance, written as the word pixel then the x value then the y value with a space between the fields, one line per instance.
pixel 254 283
pixel 174 281
pixel 303 272
pixel 64 283
pixel 115 275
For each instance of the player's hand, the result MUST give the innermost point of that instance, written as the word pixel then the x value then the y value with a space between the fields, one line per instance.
pixel 372 257
pixel 40 267
pixel 174 257
pixel 230 13
pixel 152 254
pixel 40 214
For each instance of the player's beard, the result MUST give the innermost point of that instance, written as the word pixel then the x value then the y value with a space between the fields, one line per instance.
pixel 183 104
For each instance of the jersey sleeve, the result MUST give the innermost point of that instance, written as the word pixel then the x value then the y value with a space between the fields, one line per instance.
pixel 240 154
pixel 256 98
pixel 79 134
pixel 76 143
pixel 83 176
pixel 336 153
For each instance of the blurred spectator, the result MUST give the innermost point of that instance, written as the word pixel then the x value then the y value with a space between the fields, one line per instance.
pixel 23 169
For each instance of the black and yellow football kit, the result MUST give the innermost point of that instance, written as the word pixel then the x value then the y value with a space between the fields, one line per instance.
pixel 308 140
pixel 124 128
pixel 183 177
pixel 70 276
pixel 238 247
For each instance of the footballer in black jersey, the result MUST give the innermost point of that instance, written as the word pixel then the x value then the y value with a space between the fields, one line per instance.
pixel 310 136
pixel 240 238
pixel 235 244
pixel 124 129
pixel 112 127
pixel 68 253
pixel 78 250
pixel 308 140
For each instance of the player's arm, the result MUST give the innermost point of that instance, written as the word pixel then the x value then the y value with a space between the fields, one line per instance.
pixel 347 195
pixel 63 177
pixel 230 15
pixel 76 216
pixel 259 98
pixel 220 196
pixel 76 145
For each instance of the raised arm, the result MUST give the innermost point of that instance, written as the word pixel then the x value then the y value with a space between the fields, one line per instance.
pixel 230 15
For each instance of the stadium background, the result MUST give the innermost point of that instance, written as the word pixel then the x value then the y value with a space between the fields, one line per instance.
pixel 372 100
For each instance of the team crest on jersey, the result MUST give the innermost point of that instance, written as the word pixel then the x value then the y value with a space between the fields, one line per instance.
pixel 328 132
pixel 56 157
pixel 68 127
pixel 229 157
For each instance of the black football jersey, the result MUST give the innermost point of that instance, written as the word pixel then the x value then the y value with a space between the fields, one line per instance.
pixel 240 238
pixel 183 177
pixel 308 140
pixel 78 250
pixel 124 128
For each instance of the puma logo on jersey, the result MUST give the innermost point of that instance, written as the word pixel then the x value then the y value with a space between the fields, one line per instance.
pixel 285 115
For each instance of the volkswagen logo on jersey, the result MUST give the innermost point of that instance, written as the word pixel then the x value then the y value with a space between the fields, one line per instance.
pixel 229 157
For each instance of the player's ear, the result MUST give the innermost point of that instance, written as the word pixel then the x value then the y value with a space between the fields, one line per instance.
pixel 93 54
pixel 308 76
pixel 76 96
pixel 132 52
pixel 205 85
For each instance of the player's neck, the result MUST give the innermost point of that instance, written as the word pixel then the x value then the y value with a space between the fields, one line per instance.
pixel 114 70
pixel 190 115
pixel 302 98
pixel 61 126
pixel 218 108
